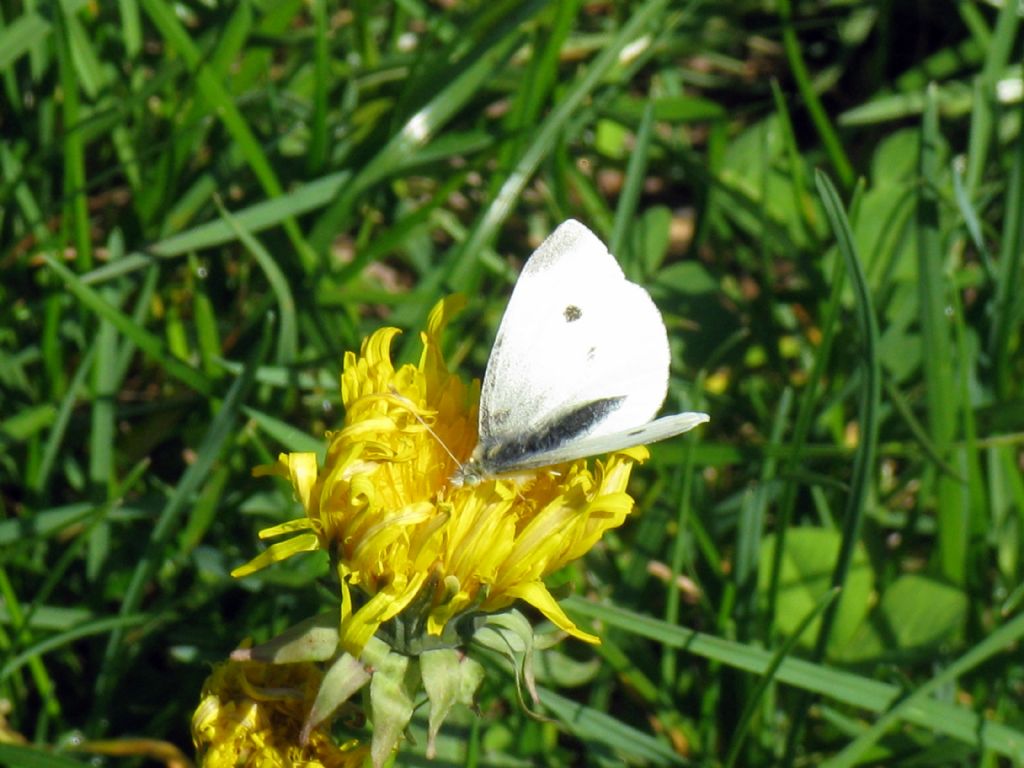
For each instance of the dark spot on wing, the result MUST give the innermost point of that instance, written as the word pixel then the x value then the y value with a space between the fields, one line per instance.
pixel 591 353
pixel 504 456
pixel 572 313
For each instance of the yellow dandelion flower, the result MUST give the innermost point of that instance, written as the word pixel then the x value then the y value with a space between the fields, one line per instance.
pixel 402 536
pixel 251 714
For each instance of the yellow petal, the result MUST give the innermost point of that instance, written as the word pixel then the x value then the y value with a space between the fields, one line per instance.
pixel 278 552
pixel 386 604
pixel 299 524
pixel 303 470
pixel 537 595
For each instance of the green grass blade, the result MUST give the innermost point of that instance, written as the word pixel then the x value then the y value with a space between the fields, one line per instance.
pixel 20 36
pixel 21 624
pixel 317 155
pixel 105 386
pixel 1006 308
pixel 254 218
pixel 104 392
pixel 88 69
pixel 597 727
pixel 149 344
pixel 116 624
pixel 636 171
pixel 43 523
pixel 797 170
pixel 26 423
pixel 972 221
pixel 34 757
pixel 205 315
pixel 998 49
pixel 540 77
pixel 74 147
pixel 669 659
pixel 862 480
pixel 143 305
pixel 290 438
pixel 40 481
pixel 288 335
pixel 833 146
pixel 751 524
pixel 131 26
pixel 942 406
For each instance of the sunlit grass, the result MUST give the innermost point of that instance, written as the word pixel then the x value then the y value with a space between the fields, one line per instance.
pixel 203 208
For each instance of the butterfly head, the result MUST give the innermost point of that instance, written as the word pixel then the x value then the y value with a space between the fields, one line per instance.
pixel 472 473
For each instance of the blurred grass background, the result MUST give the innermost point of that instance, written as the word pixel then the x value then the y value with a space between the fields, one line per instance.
pixel 204 204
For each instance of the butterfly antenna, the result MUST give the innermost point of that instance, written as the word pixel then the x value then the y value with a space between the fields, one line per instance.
pixel 411 407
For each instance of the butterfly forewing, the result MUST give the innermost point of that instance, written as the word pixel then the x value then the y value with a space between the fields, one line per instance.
pixel 581 352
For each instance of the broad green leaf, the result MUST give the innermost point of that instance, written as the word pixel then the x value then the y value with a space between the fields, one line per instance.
pixel 807 564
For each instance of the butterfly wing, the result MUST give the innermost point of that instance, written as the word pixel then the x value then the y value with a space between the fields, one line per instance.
pixel 592 445
pixel 581 352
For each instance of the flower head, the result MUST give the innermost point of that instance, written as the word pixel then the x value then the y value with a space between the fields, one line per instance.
pixel 407 543
pixel 249 716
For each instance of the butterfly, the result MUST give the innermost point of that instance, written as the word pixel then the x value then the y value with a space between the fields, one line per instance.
pixel 579 366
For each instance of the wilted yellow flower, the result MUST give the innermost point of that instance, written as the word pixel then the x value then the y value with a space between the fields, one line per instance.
pixel 403 538
pixel 251 715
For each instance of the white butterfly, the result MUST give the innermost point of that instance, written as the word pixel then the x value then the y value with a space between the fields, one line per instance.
pixel 579 367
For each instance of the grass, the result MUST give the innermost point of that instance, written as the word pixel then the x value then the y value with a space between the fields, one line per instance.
pixel 203 206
